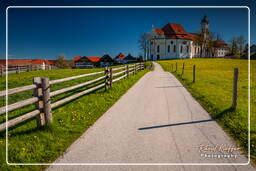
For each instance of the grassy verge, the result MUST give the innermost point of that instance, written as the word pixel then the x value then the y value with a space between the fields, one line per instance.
pixel 213 89
pixel 27 144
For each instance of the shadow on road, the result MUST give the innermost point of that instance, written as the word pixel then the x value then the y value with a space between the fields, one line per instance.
pixel 176 124
pixel 168 86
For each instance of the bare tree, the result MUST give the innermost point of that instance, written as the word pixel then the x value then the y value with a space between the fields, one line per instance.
pixel 233 46
pixel 61 63
pixel 241 44
pixel 144 44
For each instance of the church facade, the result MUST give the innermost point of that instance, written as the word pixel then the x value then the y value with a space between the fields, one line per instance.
pixel 173 41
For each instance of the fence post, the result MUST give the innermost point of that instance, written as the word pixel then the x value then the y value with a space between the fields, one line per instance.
pixel 110 77
pixel 17 69
pixel 46 100
pixel 127 71
pixel 135 68
pixel 27 67
pixel 234 103
pixel 182 68
pixel 106 78
pixel 39 105
pixel 2 70
pixel 176 67
pixel 194 73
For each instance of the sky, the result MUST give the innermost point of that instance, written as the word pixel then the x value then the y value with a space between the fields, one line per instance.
pixel 46 32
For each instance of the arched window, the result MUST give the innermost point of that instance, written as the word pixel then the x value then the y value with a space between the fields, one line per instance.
pixel 181 48
pixel 158 48
pixel 168 48
pixel 174 48
pixel 187 49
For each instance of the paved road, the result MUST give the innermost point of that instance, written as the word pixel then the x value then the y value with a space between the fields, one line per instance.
pixel 156 121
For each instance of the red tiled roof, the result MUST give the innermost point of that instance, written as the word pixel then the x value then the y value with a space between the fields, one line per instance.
pixel 76 58
pixel 121 56
pixel 172 28
pixel 94 59
pixel 159 31
pixel 26 62
pixel 220 44
pixel 175 31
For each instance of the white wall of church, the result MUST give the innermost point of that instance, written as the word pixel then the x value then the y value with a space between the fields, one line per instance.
pixel 161 48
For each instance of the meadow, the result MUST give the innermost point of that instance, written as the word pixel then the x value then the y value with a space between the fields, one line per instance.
pixel 213 90
pixel 28 144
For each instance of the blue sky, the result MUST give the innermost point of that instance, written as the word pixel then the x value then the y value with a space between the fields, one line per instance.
pixel 45 33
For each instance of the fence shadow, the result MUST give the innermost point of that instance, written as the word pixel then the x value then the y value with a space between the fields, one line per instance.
pixel 176 124
pixel 216 117
pixel 168 86
pixel 222 113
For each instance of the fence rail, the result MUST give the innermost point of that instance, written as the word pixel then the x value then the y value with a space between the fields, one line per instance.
pixel 23 68
pixel 42 93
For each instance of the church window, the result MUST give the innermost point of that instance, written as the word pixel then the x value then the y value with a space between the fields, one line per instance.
pixel 187 49
pixel 171 42
pixel 174 48
pixel 181 48
pixel 168 49
pixel 158 48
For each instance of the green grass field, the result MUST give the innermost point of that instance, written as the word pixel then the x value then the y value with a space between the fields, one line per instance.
pixel 27 144
pixel 213 89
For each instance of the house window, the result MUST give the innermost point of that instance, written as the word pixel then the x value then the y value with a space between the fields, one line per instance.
pixel 158 48
pixel 168 49
pixel 174 48
pixel 181 48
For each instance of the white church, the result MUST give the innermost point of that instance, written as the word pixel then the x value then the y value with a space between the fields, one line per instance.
pixel 172 41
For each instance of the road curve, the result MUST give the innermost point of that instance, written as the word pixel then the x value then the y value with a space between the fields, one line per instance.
pixel 156 121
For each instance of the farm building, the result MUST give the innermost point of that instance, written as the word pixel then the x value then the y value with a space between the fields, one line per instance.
pixel 92 62
pixel 173 41
pixel 122 59
pixel 40 63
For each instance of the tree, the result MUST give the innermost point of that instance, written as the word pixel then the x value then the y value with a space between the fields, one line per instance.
pixel 233 46
pixel 61 63
pixel 241 45
pixel 144 44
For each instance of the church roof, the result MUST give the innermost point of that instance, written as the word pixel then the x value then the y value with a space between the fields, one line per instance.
pixel 175 31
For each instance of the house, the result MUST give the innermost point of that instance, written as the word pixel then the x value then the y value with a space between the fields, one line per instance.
pixel 92 62
pixel 122 59
pixel 173 41
pixel 253 49
pixel 85 62
pixel 106 60
pixel 221 48
pixel 40 63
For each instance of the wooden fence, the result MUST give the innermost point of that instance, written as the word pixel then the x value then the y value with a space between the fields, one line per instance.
pixel 42 94
pixel 235 80
pixel 23 68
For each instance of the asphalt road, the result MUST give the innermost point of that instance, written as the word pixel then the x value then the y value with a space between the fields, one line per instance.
pixel 156 121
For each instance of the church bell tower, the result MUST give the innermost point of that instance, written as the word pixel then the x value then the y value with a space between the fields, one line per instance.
pixel 205 26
